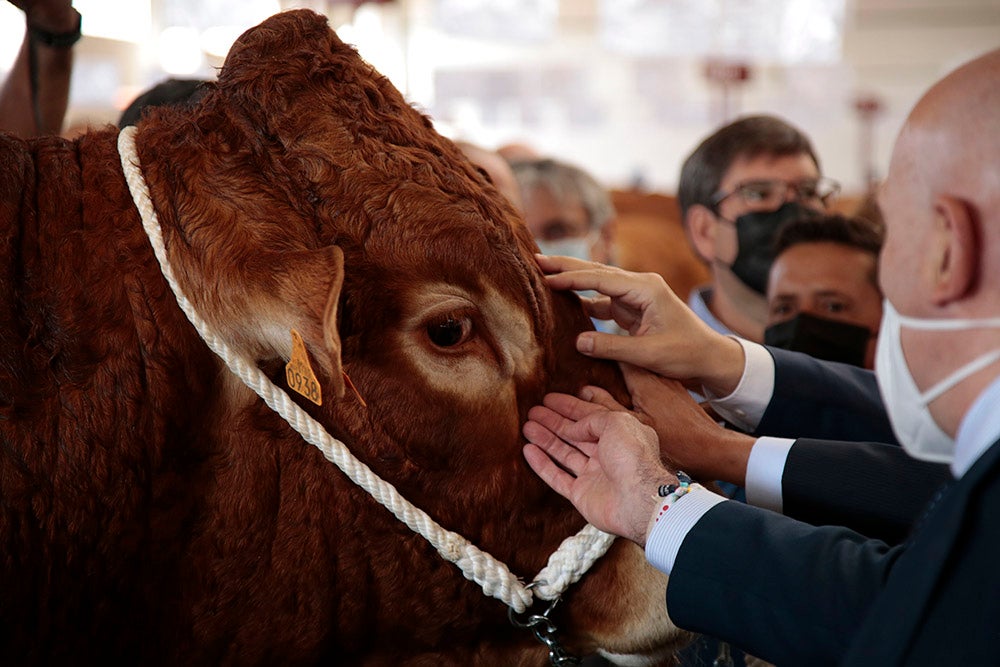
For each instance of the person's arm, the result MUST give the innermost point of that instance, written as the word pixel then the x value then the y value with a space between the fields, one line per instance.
pixel 760 390
pixel 883 496
pixel 785 591
pixel 49 33
pixel 763 391
pixel 788 592
pixel 822 399
pixel 880 495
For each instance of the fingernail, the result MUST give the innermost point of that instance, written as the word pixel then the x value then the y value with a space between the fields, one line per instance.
pixel 586 393
pixel 585 343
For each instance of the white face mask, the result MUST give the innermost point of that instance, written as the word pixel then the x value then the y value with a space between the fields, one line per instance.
pixel 575 246
pixel 909 415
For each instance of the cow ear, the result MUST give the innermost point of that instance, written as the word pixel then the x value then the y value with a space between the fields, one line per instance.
pixel 308 288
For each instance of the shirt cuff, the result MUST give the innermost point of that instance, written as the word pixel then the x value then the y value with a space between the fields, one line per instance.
pixel 665 539
pixel 765 468
pixel 746 405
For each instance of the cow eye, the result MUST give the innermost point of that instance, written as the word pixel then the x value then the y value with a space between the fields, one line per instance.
pixel 450 331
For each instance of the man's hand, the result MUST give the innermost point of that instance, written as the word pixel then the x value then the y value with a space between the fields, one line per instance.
pixel 604 462
pixel 666 336
pixel 690 439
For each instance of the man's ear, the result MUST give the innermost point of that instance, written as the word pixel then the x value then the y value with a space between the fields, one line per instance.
pixel 700 224
pixel 955 254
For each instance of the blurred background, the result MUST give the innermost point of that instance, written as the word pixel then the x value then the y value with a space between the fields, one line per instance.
pixel 624 88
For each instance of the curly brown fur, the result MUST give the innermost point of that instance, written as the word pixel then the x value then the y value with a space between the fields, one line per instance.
pixel 154 510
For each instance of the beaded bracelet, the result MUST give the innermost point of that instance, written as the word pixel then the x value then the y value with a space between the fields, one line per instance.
pixel 672 492
pixel 666 489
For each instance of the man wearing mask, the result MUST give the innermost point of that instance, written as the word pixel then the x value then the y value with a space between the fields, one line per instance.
pixel 822 291
pixel 827 595
pixel 736 190
pixel 566 209
pixel 568 213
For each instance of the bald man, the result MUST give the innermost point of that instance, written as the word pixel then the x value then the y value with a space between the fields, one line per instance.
pixel 805 595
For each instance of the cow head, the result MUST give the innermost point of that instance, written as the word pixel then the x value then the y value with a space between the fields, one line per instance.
pixel 304 193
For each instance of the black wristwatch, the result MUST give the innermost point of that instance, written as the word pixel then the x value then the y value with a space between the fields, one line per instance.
pixel 57 40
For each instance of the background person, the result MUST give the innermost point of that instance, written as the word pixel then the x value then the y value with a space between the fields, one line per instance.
pixel 567 210
pixel 735 191
pixel 822 290
pixel 568 213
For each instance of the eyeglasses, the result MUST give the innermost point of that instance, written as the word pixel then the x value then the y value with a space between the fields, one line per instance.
pixel 768 195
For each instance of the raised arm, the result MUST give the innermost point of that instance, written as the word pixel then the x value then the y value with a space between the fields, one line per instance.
pixel 35 95
pixel 666 336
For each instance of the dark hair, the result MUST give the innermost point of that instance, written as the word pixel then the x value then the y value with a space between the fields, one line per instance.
pixel 854 232
pixel 747 137
pixel 168 92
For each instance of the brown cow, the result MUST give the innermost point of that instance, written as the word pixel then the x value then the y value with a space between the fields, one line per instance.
pixel 153 510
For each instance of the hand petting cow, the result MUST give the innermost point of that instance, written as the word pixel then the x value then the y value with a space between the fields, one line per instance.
pixel 154 510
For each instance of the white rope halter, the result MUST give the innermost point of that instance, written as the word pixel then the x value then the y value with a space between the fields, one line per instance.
pixel 565 566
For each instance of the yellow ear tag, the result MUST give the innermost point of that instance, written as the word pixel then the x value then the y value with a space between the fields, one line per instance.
pixel 299 373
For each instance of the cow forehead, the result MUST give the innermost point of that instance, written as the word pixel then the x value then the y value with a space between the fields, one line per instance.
pixel 505 348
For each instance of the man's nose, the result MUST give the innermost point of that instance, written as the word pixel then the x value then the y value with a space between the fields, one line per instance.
pixel 792 192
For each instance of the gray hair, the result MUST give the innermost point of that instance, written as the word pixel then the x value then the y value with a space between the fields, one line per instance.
pixel 565 181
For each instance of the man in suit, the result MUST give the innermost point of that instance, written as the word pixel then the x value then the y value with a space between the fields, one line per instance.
pixel 826 595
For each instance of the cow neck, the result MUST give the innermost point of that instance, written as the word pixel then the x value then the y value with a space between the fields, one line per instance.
pixel 565 566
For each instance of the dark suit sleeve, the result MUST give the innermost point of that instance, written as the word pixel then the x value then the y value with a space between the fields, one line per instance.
pixel 785 591
pixel 879 490
pixel 823 399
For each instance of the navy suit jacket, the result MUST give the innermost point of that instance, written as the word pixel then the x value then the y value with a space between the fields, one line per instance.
pixel 795 594
pixel 880 490
pixel 828 400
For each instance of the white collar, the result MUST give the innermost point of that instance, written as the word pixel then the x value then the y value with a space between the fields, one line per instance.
pixel 978 430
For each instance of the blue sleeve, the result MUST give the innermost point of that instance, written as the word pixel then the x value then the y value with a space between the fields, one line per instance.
pixel 879 490
pixel 782 590
pixel 825 400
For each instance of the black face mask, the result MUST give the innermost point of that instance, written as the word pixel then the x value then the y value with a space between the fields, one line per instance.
pixel 755 234
pixel 821 338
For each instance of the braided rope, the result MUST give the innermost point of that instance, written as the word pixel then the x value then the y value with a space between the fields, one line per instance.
pixel 565 566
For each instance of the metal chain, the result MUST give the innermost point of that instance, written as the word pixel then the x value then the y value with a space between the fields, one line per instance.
pixel 545 631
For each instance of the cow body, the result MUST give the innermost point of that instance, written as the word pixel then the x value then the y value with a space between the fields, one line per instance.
pixel 156 511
